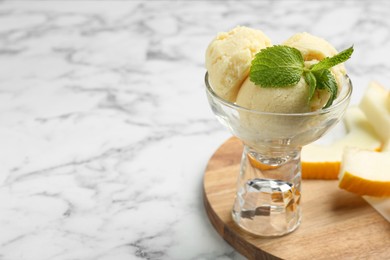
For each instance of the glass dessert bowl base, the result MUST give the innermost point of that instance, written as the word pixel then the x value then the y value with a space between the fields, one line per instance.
pixel 267 208
pixel 268 193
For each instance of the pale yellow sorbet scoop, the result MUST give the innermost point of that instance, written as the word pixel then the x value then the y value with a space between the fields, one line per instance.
pixel 229 57
pixel 279 100
pixel 314 49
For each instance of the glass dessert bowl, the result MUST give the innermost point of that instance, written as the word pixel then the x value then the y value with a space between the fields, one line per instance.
pixel 268 191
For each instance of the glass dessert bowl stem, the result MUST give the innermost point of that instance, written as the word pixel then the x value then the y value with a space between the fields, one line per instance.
pixel 268 191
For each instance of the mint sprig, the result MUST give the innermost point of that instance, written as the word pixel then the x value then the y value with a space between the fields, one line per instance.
pixel 283 66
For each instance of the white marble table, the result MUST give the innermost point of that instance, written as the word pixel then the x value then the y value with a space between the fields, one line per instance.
pixel 105 127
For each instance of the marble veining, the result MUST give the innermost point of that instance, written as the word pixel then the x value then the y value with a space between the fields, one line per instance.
pixel 105 129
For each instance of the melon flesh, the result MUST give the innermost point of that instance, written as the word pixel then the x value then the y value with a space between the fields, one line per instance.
pixel 375 104
pixel 365 172
pixel 323 161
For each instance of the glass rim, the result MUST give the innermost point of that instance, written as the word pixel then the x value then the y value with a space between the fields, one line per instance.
pixel 311 113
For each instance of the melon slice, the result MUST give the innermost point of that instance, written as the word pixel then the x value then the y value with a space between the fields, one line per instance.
pixel 375 104
pixel 323 161
pixel 386 146
pixel 365 172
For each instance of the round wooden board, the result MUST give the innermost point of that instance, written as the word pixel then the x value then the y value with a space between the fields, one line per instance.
pixel 335 225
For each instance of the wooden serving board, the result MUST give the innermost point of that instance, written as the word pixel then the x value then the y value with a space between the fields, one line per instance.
pixel 335 224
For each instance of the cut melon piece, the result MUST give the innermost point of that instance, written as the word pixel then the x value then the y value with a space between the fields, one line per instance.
pixel 386 146
pixel 365 172
pixel 375 104
pixel 323 161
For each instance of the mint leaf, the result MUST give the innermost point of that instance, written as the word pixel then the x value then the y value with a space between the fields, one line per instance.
pixel 312 82
pixel 329 62
pixel 277 66
pixel 325 80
